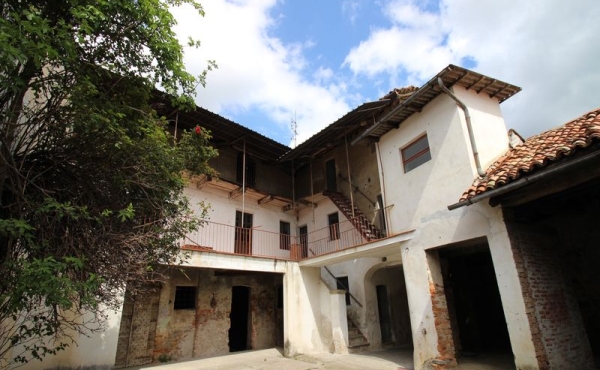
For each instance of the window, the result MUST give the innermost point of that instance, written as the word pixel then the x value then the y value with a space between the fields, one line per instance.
pixel 185 298
pixel 342 283
pixel 416 153
pixel 284 235
pixel 334 226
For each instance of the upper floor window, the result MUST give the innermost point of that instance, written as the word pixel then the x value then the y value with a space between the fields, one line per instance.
pixel 416 153
pixel 284 235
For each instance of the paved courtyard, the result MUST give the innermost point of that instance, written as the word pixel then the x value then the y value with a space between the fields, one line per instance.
pixel 272 359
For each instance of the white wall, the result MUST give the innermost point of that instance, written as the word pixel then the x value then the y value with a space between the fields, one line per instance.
pixel 223 209
pixel 419 200
pixel 98 350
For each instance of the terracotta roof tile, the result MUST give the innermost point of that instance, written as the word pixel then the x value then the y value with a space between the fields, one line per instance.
pixel 537 152
pixel 401 93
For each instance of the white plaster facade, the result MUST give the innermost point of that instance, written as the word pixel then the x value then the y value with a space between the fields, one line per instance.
pixel 315 312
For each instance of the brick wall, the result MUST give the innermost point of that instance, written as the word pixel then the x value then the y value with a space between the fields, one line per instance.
pixel 441 316
pixel 557 328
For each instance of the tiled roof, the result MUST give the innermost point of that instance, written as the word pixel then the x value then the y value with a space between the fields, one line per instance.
pixel 538 152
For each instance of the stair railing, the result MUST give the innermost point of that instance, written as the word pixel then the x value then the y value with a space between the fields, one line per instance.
pixel 343 285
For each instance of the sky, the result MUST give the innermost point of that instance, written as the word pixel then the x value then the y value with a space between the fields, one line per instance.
pixel 312 61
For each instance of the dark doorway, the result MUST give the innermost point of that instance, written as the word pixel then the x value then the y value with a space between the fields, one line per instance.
pixel 303 232
pixel 473 300
pixel 243 233
pixel 382 223
pixel 385 319
pixel 331 175
pixel 238 331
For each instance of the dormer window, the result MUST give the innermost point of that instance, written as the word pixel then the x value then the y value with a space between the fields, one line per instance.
pixel 415 153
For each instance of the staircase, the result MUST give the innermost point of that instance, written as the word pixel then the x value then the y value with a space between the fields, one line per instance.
pixel 360 221
pixel 356 339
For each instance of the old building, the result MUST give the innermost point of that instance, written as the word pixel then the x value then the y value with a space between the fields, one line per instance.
pixel 347 243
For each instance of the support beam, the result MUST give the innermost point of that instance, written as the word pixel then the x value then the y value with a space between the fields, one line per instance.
pixel 236 193
pixel 200 183
pixel 266 199
pixel 304 202
pixel 308 203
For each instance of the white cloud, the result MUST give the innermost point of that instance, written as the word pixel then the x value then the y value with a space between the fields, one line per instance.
pixel 549 48
pixel 256 70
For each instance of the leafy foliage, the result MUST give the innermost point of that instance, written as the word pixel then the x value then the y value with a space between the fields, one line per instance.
pixel 91 184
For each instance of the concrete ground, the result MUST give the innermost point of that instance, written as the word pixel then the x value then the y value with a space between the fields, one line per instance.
pixel 272 359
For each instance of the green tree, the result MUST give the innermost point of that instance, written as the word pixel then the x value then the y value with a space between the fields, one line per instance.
pixel 91 185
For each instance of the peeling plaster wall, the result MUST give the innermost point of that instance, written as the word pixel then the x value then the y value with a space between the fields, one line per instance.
pixel 183 334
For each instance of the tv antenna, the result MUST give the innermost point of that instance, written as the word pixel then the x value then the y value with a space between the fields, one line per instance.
pixel 294 126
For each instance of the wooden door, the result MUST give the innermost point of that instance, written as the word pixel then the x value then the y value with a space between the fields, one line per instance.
pixel 243 233
pixel 303 232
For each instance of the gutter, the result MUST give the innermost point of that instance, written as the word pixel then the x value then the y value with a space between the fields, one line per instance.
pixel 462 106
pixel 558 169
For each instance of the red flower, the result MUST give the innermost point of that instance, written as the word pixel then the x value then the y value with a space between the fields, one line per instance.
pixel 198 130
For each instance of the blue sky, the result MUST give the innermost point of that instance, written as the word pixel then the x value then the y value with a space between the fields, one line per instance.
pixel 316 60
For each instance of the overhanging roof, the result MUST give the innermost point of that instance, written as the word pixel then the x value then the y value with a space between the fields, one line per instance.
pixel 225 133
pixel 334 134
pixel 451 75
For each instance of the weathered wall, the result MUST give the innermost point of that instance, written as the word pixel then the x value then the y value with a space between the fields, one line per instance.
pixel 393 279
pixel 159 331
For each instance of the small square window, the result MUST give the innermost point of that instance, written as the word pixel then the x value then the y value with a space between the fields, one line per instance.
pixel 334 226
pixel 416 153
pixel 185 298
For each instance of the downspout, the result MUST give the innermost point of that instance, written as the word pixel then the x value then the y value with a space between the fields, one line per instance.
pixel 469 127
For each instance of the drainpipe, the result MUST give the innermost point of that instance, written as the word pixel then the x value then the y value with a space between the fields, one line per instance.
pixel 469 127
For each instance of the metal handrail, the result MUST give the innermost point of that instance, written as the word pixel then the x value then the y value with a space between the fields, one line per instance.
pixel 229 239
pixel 343 286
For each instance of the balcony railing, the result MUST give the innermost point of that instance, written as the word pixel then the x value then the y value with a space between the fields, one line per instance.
pixel 222 238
